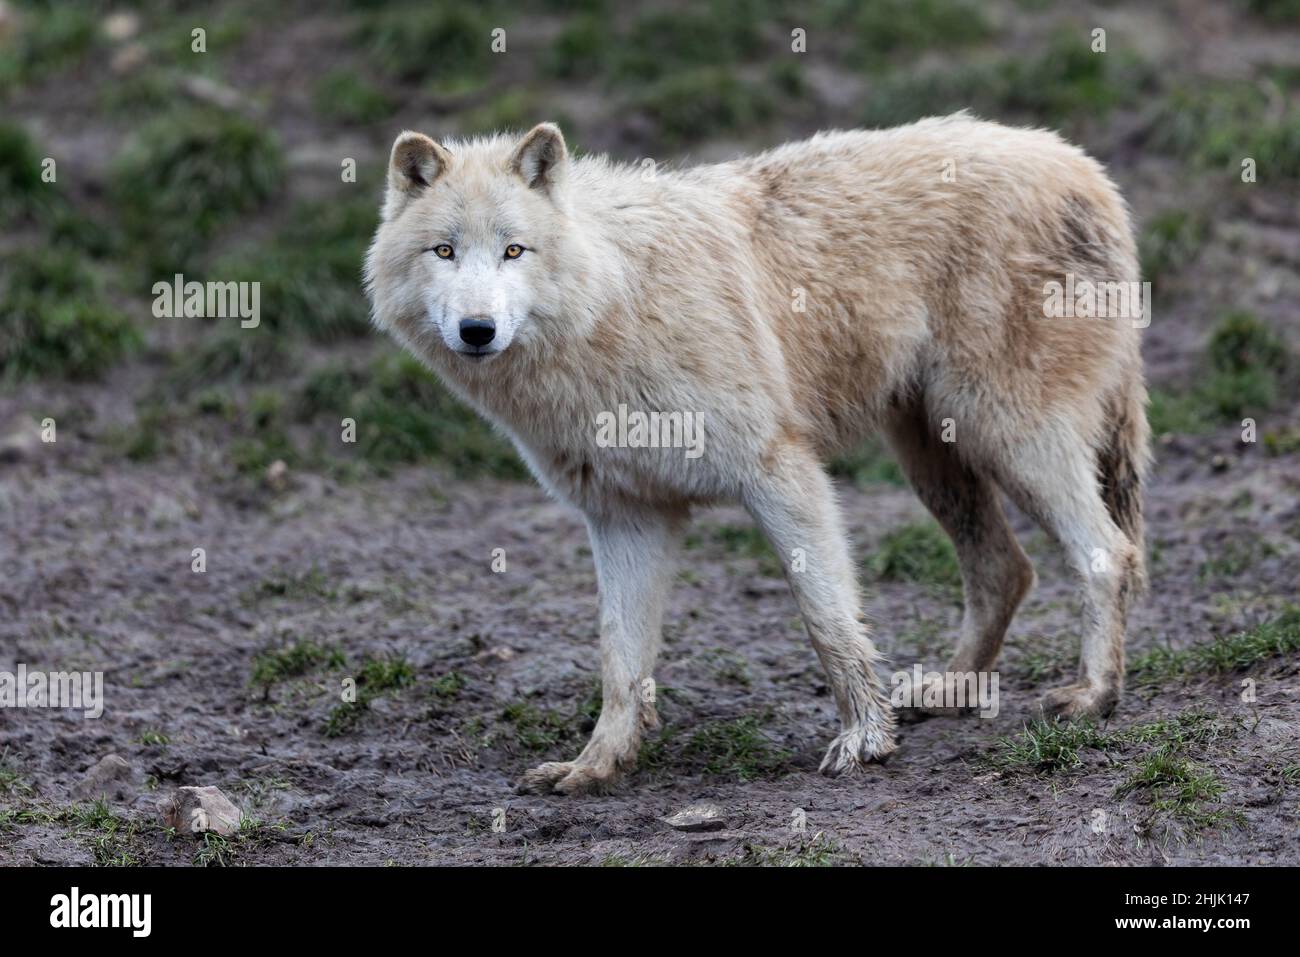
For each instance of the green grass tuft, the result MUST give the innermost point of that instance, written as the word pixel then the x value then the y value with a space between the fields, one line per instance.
pixel 1278 637
pixel 919 552
pixel 738 748
pixel 57 320
pixel 291 661
pixel 185 175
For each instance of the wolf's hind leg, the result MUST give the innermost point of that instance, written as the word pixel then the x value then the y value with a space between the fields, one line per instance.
pixel 996 574
pixel 793 502
pixel 634 554
pixel 1053 477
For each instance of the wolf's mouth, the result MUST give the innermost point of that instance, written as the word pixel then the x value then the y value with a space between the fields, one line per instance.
pixel 477 355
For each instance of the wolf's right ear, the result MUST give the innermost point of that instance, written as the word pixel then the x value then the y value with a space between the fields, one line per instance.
pixel 415 163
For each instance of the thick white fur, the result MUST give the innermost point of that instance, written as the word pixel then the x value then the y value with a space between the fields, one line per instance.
pixel 794 302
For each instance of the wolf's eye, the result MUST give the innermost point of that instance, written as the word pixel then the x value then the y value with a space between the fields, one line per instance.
pixel 514 251
pixel 444 251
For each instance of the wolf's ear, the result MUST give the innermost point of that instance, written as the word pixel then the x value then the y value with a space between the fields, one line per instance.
pixel 540 157
pixel 414 165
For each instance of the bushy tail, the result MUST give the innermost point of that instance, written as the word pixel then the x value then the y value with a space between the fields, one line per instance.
pixel 1122 464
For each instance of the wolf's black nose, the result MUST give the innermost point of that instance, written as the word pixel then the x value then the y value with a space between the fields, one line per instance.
pixel 477 332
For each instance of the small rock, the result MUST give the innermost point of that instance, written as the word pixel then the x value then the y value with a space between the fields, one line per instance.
pixel 20 441
pixel 196 810
pixel 121 26
pixel 109 777
pixel 499 653
pixel 277 475
pixel 698 817
pixel 1219 463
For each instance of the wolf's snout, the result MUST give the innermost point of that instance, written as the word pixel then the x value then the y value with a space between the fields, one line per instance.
pixel 477 331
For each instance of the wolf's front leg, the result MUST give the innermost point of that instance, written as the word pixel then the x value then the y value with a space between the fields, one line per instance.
pixel 634 556
pixel 793 502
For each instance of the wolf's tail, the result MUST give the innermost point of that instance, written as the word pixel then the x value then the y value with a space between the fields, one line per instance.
pixel 1122 464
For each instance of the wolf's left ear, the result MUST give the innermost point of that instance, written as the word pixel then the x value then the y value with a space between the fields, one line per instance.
pixel 540 157
pixel 415 163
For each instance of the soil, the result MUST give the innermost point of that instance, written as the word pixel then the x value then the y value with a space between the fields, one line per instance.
pixel 97 575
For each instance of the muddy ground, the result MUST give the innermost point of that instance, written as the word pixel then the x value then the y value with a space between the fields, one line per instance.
pixel 469 676
pixel 98 576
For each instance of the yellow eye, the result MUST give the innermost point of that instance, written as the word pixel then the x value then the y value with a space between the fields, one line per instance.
pixel 514 251
pixel 444 251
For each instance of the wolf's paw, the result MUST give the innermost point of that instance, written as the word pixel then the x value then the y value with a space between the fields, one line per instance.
pixel 1079 701
pixel 907 698
pixel 569 777
pixel 854 748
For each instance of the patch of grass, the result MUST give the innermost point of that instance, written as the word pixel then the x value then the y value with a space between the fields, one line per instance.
pixel 1241 343
pixel 738 748
pixel 1060 84
pixel 1050 747
pixel 537 729
pixel 385 674
pixel 1176 786
pixel 266 438
pixel 867 465
pixel 1282 441
pixel 1219 125
pixel 703 102
pixel 404 415
pixel 312 583
pixel 743 541
pixel 280 664
pixel 1234 557
pixel 1169 243
pixel 214 850
pixel 1279 637
pixel 375 677
pixel 1276 11
pixel 309 270
pixel 1053 747
pixel 512 110
pixel 581 50
pixel 1243 374
pixel 22 191
pixel 45 40
pixel 185 175
pixel 661 44
pixel 1177 413
pixel 344 717
pixel 227 355
pixel 885 28
pixel 402 42
pixel 918 552
pixel 57 320
pixel 152 736
pixel 449 686
pixel 728 667
pixel 109 837
pixel 345 97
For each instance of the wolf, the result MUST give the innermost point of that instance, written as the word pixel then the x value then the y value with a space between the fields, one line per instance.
pixel 796 301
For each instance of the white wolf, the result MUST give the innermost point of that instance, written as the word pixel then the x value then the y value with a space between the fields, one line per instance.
pixel 794 302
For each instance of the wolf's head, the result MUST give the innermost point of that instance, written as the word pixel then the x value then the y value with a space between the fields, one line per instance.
pixel 472 255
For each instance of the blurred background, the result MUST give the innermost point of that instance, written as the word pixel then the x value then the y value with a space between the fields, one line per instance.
pixel 226 165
